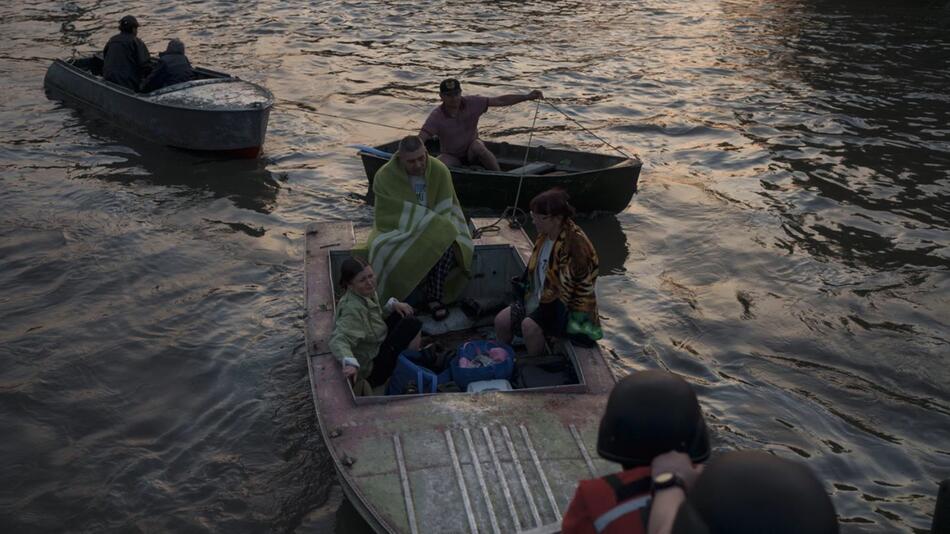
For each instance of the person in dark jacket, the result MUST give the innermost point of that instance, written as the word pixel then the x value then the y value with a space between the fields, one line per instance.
pixel 125 57
pixel 173 67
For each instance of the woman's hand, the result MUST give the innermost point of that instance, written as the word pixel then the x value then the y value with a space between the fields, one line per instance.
pixel 403 309
pixel 349 371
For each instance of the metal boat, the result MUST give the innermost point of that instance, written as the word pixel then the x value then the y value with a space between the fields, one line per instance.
pixel 498 461
pixel 214 112
pixel 596 182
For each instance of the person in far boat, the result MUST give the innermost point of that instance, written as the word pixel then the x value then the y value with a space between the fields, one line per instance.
pixel 173 67
pixel 746 492
pixel 367 344
pixel 125 57
pixel 555 295
pixel 420 243
pixel 648 414
pixel 455 123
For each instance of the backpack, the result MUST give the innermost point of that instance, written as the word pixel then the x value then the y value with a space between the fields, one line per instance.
pixel 410 376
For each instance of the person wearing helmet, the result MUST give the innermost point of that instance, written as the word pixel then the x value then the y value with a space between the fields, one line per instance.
pixel 125 58
pixel 748 492
pixel 648 414
pixel 173 67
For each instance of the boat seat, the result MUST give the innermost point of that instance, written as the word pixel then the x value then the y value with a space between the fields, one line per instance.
pixel 535 167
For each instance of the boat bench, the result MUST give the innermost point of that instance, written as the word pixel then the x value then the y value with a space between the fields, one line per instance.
pixel 535 167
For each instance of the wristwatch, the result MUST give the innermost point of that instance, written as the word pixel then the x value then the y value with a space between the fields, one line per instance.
pixel 667 479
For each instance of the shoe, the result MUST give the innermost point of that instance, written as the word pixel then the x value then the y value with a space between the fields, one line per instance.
pixel 438 310
pixel 471 307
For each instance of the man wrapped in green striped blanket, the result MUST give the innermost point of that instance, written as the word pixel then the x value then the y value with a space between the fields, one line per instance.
pixel 420 237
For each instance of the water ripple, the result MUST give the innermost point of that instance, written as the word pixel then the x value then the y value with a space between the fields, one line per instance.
pixel 788 251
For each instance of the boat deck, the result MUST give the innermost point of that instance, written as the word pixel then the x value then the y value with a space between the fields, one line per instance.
pixel 452 462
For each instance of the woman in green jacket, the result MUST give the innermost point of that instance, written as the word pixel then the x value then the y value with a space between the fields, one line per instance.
pixel 365 341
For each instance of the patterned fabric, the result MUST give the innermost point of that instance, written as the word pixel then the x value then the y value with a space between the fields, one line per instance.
pixel 408 239
pixel 571 276
pixel 435 280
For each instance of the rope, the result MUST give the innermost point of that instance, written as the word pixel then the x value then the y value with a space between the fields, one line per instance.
pixel 515 220
pixel 516 216
pixel 309 109
pixel 524 162
pixel 575 121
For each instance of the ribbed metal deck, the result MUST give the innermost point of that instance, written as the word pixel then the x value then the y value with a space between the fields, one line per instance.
pixel 501 480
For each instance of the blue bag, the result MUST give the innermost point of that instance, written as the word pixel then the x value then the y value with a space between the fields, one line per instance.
pixel 409 371
pixel 470 350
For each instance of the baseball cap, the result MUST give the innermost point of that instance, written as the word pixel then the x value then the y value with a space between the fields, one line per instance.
pixel 450 86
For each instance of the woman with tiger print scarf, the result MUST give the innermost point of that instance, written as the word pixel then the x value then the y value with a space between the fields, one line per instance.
pixel 555 295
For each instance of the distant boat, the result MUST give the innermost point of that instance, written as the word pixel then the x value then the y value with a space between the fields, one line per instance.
pixel 596 182
pixel 500 461
pixel 214 112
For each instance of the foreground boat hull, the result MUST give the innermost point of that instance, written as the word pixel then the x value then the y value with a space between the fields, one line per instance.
pixel 229 130
pixel 595 182
pixel 453 462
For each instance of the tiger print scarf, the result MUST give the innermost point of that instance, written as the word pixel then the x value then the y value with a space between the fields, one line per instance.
pixel 570 278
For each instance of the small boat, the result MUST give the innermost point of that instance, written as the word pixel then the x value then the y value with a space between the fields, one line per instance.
pixel 596 182
pixel 494 461
pixel 214 112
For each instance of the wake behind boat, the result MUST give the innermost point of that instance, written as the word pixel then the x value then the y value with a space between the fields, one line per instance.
pixel 499 461
pixel 214 112
pixel 596 182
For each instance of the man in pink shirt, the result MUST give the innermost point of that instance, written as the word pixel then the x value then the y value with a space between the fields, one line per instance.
pixel 455 123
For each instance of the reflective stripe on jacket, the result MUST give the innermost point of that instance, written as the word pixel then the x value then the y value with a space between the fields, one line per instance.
pixel 617 503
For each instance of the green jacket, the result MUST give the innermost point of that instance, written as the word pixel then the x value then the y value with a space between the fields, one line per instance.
pixel 358 332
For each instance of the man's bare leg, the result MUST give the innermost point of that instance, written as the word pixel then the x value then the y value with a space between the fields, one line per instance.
pixel 477 151
pixel 450 160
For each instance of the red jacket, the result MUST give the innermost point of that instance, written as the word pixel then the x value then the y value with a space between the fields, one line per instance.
pixel 617 503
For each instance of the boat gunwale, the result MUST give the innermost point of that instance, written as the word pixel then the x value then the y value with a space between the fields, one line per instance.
pixel 347 481
pixel 145 97
pixel 623 163
pixel 629 162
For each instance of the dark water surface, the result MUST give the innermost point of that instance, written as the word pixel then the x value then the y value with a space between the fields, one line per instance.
pixel 788 251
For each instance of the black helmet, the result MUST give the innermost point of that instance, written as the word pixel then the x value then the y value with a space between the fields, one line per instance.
pixel 750 492
pixel 128 23
pixel 649 413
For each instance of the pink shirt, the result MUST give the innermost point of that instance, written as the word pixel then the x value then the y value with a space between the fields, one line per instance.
pixel 457 133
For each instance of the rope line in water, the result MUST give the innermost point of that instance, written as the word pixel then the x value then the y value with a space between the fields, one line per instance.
pixel 308 109
pixel 516 216
pixel 511 212
pixel 575 121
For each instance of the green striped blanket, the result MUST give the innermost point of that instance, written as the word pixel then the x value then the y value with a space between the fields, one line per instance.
pixel 408 239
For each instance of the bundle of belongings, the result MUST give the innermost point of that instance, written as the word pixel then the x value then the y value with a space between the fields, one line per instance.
pixel 474 361
pixel 495 355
